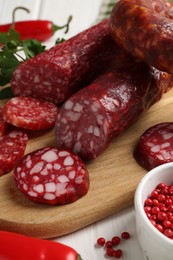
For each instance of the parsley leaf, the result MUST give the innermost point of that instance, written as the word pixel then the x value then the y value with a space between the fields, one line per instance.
pixel 6 93
pixel 14 35
pixel 4 38
pixel 59 40
pixel 12 52
pixel 8 63
pixel 10 36
pixel 32 48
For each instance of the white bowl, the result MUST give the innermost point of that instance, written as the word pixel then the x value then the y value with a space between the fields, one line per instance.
pixel 155 245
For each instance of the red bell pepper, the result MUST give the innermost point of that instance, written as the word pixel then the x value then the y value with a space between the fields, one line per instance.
pixel 19 247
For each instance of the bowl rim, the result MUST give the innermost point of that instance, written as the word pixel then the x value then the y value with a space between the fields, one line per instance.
pixel 138 201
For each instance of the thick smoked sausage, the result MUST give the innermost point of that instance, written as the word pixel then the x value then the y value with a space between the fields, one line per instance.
pixel 92 117
pixel 56 74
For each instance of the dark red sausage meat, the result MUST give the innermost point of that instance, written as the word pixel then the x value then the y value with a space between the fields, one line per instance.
pixel 92 117
pixel 145 29
pixel 30 113
pixel 3 123
pixel 155 146
pixel 56 74
pixel 52 176
pixel 12 148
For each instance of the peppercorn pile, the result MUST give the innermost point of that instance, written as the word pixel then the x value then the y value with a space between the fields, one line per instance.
pixel 159 208
pixel 110 245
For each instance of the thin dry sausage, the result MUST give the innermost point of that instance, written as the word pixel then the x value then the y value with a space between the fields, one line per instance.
pixel 145 30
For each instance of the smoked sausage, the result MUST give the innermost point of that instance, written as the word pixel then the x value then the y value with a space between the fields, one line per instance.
pixel 92 117
pixel 56 74
pixel 145 29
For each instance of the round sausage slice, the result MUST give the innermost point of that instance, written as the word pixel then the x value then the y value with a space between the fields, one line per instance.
pixel 52 176
pixel 155 146
pixel 30 113
pixel 12 147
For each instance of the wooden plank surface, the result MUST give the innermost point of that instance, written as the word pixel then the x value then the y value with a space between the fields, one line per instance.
pixel 114 176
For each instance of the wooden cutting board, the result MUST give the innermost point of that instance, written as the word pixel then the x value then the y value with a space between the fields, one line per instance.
pixel 114 176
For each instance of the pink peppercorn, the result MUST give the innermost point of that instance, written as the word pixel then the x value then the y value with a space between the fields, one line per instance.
pixel 159 227
pixel 148 202
pixel 161 198
pixel 161 216
pixel 101 241
pixel 154 194
pixel 108 244
pixel 118 253
pixel 168 232
pixel 161 186
pixel 116 240
pixel 125 235
pixel 170 208
pixel 109 251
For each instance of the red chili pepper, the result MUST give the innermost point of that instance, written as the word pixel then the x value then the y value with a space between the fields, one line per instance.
pixel 40 30
pixel 19 247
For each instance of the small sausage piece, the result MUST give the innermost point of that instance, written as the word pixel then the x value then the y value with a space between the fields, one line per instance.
pixel 12 148
pixel 3 123
pixel 145 29
pixel 92 117
pixel 52 176
pixel 56 74
pixel 30 113
pixel 155 146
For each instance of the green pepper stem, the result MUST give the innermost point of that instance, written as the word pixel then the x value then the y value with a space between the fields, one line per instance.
pixel 56 27
pixel 14 13
pixel 79 257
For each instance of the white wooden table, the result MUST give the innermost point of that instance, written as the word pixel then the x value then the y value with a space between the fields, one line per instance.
pixel 84 14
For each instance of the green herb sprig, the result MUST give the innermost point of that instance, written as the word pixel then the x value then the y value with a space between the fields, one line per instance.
pixel 14 51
